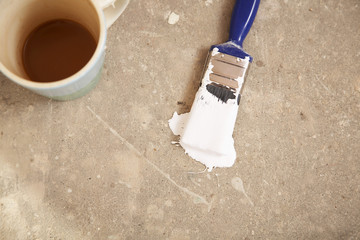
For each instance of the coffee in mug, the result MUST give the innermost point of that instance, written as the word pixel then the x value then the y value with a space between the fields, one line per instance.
pixel 56 48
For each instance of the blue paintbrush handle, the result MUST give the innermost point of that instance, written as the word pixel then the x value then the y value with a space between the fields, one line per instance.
pixel 242 18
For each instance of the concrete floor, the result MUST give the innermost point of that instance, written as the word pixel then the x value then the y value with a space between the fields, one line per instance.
pixel 103 166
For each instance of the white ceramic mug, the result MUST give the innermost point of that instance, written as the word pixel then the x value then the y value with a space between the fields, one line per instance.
pixel 19 17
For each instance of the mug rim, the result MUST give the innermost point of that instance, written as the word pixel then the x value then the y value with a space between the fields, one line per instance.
pixel 83 71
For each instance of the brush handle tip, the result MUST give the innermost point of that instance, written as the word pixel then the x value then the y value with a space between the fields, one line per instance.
pixel 242 19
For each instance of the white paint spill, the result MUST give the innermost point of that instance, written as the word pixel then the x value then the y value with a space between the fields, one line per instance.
pixel 175 143
pixel 237 183
pixel 208 2
pixel 206 131
pixel 215 51
pixel 173 18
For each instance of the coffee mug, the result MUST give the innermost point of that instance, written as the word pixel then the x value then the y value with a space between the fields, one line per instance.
pixel 18 18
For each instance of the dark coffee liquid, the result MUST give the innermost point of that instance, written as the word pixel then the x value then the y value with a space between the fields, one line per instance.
pixel 56 50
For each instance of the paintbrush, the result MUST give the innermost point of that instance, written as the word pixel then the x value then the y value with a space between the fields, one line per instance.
pixel 207 132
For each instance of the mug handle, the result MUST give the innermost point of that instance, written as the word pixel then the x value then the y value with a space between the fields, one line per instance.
pixel 112 9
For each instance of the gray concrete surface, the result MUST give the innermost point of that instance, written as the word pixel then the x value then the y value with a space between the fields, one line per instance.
pixel 103 167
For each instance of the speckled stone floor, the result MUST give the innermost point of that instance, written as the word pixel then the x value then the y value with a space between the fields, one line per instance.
pixel 103 166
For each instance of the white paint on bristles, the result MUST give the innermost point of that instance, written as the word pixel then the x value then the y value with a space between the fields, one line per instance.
pixel 206 131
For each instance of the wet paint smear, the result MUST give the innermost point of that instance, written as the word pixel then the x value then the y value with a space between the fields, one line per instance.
pixel 221 92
